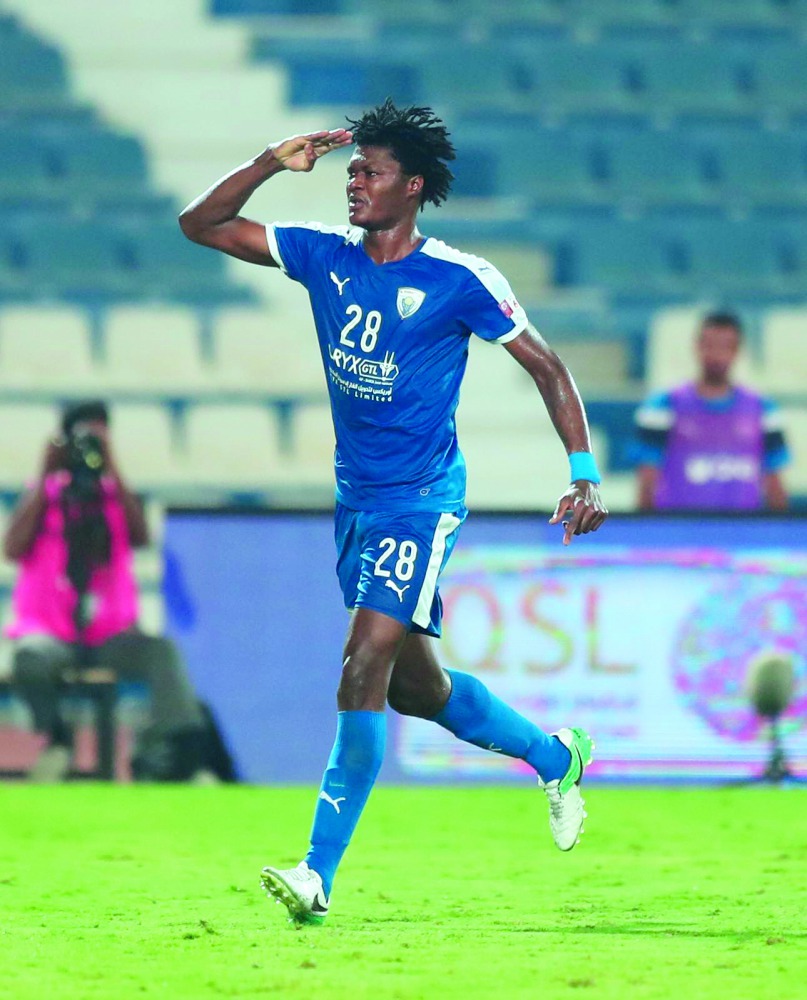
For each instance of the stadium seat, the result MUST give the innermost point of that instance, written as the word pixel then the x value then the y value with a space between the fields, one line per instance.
pixel 260 350
pixel 684 78
pixel 163 264
pixel 518 471
pixel 761 168
pixel 151 608
pixel 743 259
pixel 231 447
pixel 784 351
pixel 670 354
pixel 312 447
pixel 28 427
pixel 779 77
pixel 467 75
pixel 559 77
pixel 24 174
pixel 142 440
pixel 599 366
pixel 554 166
pixel 87 161
pixel 651 167
pixel 47 348
pixel 795 423
pixel 32 74
pixel 633 258
pixel 61 257
pixel 495 392
pixel 745 14
pixel 349 80
pixel 153 350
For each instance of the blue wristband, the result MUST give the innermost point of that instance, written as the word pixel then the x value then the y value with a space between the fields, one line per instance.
pixel 583 466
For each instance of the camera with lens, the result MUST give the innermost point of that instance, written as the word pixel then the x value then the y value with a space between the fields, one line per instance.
pixel 85 459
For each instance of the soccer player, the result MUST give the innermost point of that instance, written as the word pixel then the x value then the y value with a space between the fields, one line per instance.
pixel 394 312
pixel 711 444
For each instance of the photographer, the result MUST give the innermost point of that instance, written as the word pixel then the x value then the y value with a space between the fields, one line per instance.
pixel 75 601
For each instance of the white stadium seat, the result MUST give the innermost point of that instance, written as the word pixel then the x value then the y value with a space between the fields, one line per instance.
pixel 312 446
pixel 495 389
pixel 519 470
pixel 141 436
pixel 784 351
pixel 26 429
pixel 45 348
pixel 265 351
pixel 234 446
pixel 153 349
pixel 795 422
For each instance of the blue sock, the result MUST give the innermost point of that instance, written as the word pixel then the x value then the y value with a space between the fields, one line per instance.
pixel 352 769
pixel 475 715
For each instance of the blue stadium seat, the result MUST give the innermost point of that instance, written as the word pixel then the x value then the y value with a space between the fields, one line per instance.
pixel 239 8
pixel 762 168
pixel 94 162
pixel 551 166
pixel 685 77
pixel 467 75
pixel 762 14
pixel 560 77
pixel 69 259
pixel 24 174
pixel 743 260
pixel 32 75
pixel 161 263
pixel 780 77
pixel 651 167
pixel 632 259
pixel 349 80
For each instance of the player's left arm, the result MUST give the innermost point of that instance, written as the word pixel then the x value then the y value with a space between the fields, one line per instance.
pixel 580 508
pixel 776 455
pixel 774 491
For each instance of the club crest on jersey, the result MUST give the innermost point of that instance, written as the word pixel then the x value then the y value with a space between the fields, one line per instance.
pixel 409 301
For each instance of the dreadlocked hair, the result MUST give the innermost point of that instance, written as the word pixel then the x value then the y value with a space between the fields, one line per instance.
pixel 417 139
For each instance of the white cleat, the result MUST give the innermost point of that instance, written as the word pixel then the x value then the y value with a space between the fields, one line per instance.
pixel 51 766
pixel 566 812
pixel 300 890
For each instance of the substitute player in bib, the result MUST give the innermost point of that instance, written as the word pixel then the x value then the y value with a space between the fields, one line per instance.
pixel 394 312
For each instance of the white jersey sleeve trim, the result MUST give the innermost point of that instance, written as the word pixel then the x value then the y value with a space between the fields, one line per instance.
pixel 274 249
pixel 489 277
pixel 350 234
pixel 507 337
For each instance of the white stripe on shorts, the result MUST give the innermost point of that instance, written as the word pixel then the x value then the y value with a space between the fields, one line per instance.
pixel 423 610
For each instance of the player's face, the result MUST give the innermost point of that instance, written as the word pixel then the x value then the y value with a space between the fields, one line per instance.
pixel 378 195
pixel 717 352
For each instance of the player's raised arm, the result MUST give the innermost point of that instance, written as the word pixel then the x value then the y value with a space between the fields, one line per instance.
pixel 213 218
pixel 580 508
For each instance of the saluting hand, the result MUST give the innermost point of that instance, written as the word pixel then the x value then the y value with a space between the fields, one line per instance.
pixel 580 509
pixel 301 152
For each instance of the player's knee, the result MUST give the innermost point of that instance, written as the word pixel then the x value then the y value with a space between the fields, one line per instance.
pixel 407 698
pixel 365 676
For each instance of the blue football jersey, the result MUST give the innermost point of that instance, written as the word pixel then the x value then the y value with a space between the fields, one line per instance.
pixel 394 342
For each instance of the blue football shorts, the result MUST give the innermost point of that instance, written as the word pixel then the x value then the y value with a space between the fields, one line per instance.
pixel 391 562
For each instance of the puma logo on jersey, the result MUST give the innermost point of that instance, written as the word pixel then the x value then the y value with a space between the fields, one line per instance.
pixel 400 591
pixel 339 284
pixel 334 802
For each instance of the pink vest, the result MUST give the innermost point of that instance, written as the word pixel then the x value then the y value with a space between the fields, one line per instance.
pixel 44 599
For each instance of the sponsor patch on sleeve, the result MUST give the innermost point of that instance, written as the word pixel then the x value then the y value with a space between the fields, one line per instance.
pixel 508 306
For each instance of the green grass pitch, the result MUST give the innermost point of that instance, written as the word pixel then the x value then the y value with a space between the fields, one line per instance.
pixel 144 891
